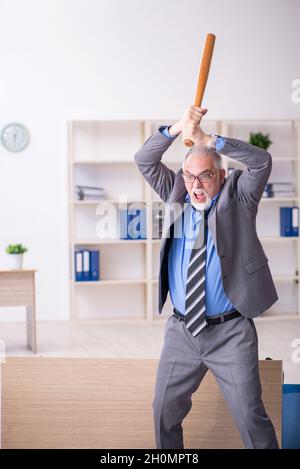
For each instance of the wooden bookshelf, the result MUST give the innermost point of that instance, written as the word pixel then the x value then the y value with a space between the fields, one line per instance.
pixel 102 153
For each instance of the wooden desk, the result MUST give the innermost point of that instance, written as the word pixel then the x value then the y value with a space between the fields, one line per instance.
pixel 107 403
pixel 17 288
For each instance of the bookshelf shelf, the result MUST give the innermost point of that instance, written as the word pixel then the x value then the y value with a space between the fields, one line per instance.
pixel 285 278
pixel 109 241
pixel 95 162
pixel 278 239
pixel 105 282
pixel 279 199
pixel 278 317
pixel 109 201
pixel 284 160
pixel 277 278
pixel 128 285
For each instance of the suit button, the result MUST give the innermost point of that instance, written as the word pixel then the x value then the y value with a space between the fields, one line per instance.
pixel 223 256
pixel 224 277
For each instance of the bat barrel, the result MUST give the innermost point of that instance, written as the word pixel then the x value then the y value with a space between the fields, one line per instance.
pixel 203 74
pixel 204 67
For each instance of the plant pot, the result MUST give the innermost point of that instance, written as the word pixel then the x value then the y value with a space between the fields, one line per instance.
pixel 16 261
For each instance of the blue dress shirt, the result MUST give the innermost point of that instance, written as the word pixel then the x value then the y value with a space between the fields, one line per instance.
pixel 216 301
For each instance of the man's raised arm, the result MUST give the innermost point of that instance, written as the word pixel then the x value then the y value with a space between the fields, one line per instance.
pixel 148 157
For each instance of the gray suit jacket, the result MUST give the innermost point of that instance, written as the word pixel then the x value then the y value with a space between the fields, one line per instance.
pixel 246 275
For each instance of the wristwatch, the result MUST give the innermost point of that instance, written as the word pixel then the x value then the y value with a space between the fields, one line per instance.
pixel 214 138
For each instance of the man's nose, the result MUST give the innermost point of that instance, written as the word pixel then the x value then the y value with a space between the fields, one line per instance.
pixel 197 183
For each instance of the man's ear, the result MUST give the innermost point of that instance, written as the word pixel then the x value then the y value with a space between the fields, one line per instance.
pixel 222 175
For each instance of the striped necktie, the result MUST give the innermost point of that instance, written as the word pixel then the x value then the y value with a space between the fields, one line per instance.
pixel 195 318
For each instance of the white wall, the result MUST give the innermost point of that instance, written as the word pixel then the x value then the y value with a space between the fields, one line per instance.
pixel 68 59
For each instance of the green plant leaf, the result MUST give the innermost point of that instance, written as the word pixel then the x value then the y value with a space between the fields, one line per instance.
pixel 15 249
pixel 260 140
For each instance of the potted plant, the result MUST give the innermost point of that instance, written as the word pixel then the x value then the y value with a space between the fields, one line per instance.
pixel 16 252
pixel 260 140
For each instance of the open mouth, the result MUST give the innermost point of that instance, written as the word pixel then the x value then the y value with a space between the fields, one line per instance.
pixel 200 197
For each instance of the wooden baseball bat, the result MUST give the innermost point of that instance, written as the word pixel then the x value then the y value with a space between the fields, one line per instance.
pixel 203 74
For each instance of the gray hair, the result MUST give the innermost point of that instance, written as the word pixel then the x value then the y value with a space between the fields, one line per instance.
pixel 203 150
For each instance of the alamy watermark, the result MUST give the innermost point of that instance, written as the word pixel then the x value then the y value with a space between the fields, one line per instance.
pixel 296 353
pixel 295 95
pixel 129 220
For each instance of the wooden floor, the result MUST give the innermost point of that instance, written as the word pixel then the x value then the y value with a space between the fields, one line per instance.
pixel 107 403
pixel 138 340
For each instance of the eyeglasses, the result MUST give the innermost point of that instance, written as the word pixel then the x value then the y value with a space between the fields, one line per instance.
pixel 205 177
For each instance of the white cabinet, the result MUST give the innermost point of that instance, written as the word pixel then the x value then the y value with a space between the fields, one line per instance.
pixel 101 153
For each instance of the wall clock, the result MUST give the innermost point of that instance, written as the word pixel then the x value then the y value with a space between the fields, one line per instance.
pixel 15 137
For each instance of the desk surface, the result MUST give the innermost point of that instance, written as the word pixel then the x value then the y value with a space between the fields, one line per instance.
pixel 10 271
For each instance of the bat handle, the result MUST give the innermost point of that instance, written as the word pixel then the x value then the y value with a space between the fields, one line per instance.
pixel 188 143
